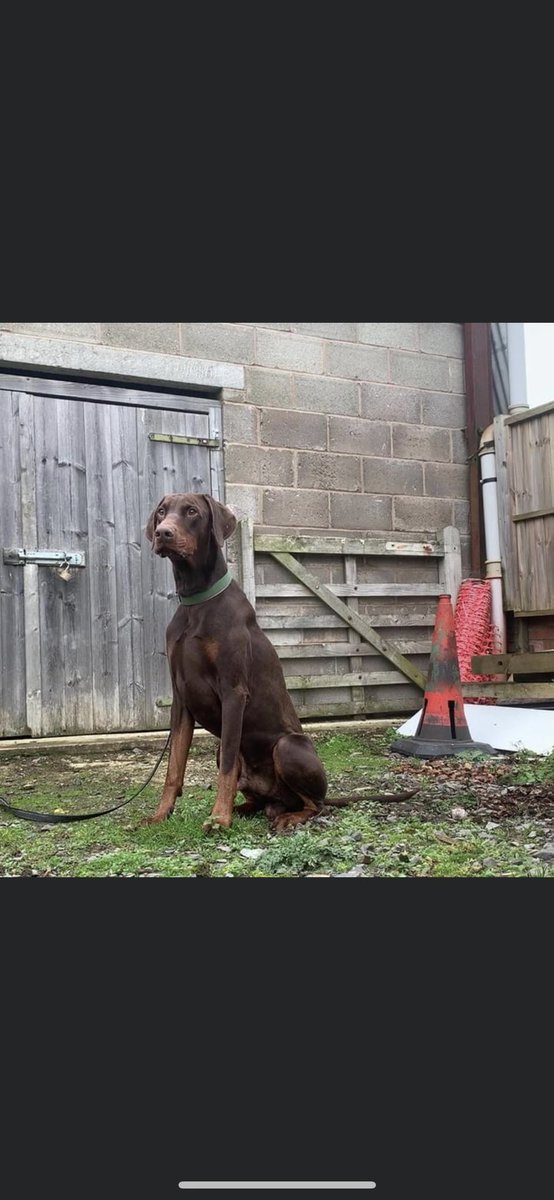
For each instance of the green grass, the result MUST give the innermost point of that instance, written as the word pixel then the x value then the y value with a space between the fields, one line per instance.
pixel 419 838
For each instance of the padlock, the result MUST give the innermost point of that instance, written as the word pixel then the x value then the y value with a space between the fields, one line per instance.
pixel 65 574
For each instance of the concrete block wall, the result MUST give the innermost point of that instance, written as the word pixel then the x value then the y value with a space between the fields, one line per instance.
pixel 350 427
pixel 341 426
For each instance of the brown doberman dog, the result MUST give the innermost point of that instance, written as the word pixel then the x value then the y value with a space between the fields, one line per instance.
pixel 226 675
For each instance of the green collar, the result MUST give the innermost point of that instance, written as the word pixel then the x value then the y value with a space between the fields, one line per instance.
pixel 214 590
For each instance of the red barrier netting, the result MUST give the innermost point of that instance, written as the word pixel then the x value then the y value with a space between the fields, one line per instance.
pixel 474 632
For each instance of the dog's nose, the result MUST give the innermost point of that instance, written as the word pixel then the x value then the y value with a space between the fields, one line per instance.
pixel 165 533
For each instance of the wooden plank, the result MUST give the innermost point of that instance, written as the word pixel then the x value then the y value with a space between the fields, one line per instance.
pixel 351 708
pixel 451 566
pixel 532 516
pixel 502 446
pixel 347 708
pixel 351 577
pixel 217 465
pixel 520 636
pixel 408 590
pixel 535 612
pixel 101 570
pixel 97 393
pixel 158 585
pixel 533 499
pixel 510 691
pixel 30 573
pixel 357 622
pixel 246 557
pixel 49 536
pixel 163 468
pixel 13 719
pixel 287 543
pixel 129 547
pixel 354 680
pixel 537 662
pixel 323 621
pixel 74 649
pixel 344 649
pixel 521 498
pixel 517 418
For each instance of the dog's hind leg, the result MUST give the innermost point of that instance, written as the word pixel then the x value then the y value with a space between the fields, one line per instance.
pixel 182 729
pixel 252 804
pixel 303 781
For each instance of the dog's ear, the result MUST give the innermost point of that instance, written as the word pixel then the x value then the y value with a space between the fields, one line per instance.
pixel 223 520
pixel 151 523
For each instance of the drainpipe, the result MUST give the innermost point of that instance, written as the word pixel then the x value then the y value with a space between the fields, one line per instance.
pixel 516 367
pixel 493 563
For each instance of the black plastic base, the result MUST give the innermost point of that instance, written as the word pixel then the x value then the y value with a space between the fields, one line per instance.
pixel 418 748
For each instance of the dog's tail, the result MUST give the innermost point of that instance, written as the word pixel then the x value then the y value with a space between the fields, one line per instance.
pixel 382 797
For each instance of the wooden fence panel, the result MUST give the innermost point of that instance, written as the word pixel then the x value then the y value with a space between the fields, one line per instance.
pixel 350 618
pixel 525 470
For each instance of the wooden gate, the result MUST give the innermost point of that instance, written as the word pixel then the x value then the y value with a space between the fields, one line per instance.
pixel 349 645
pixel 81 468
pixel 525 468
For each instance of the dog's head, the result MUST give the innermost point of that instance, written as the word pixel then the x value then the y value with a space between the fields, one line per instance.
pixel 182 526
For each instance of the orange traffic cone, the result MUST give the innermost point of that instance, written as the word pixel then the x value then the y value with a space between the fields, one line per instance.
pixel 443 728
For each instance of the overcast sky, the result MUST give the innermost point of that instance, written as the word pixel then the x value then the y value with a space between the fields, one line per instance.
pixel 539 362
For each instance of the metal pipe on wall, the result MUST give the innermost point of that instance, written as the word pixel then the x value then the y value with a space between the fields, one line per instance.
pixel 516 366
pixel 493 562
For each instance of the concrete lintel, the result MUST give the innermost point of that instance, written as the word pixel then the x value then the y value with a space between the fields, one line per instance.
pixel 86 358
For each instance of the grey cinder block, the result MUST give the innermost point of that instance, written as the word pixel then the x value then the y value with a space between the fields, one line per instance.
pixel 382 333
pixel 230 343
pixel 297 429
pixel 421 370
pixel 393 477
pixel 292 507
pixel 427 444
pixel 337 472
pixel 369 513
pixel 358 436
pixel 356 362
pixel 254 465
pixel 288 351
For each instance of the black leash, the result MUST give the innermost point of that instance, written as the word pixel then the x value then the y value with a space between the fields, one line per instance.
pixel 60 818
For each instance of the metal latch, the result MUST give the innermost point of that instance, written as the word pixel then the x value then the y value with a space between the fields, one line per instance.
pixel 177 439
pixel 43 558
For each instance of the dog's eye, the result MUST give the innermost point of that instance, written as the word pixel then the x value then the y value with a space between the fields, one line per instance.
pixel 191 512
pixel 161 512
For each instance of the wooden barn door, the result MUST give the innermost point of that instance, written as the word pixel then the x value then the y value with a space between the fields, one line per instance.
pixel 83 647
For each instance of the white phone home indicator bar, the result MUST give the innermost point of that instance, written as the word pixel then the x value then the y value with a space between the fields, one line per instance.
pixel 191 1186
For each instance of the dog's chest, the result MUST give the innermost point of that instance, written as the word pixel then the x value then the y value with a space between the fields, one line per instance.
pixel 195 669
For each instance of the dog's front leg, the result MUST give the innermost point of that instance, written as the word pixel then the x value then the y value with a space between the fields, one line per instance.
pixel 182 729
pixel 233 703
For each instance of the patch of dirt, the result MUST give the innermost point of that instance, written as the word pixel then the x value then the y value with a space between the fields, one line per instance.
pixel 128 768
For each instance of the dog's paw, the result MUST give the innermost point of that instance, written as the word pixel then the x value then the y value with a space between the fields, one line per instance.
pixel 214 824
pixel 156 818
